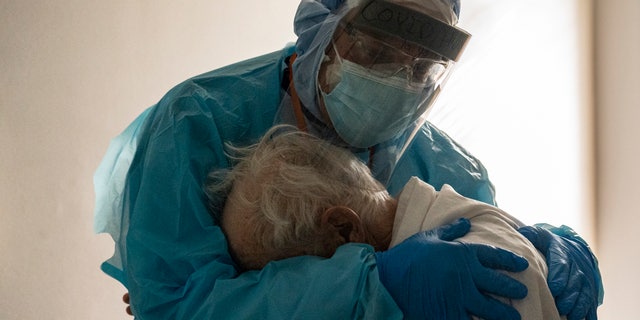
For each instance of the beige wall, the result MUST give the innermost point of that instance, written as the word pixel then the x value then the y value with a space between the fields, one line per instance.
pixel 617 114
pixel 520 100
pixel 75 73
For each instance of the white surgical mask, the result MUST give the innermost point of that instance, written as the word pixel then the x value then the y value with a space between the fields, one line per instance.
pixel 366 109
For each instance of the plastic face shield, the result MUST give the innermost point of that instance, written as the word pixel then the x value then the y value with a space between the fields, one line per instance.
pixel 394 40
pixel 388 20
pixel 421 67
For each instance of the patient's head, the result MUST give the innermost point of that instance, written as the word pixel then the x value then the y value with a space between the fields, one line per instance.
pixel 293 194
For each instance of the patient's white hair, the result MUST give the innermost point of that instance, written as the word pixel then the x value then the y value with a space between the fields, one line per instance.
pixel 296 177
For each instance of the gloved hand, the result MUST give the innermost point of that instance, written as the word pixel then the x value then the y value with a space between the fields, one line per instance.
pixel 431 277
pixel 574 278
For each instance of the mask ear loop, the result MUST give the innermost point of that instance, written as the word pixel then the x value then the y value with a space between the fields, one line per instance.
pixel 297 110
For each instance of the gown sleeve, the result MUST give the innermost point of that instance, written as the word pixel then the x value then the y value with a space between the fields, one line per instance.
pixel 170 253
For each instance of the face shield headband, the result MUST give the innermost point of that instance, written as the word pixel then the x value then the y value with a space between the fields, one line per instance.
pixel 315 24
pixel 394 20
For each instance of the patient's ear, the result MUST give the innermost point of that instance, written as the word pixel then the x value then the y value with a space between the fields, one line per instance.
pixel 343 222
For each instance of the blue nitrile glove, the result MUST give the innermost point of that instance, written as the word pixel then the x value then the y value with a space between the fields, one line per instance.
pixel 431 277
pixel 574 278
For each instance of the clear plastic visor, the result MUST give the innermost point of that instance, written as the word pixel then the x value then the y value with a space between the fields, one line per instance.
pixel 390 57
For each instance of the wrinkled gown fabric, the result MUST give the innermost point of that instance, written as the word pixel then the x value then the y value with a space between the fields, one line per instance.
pixel 172 256
pixel 421 207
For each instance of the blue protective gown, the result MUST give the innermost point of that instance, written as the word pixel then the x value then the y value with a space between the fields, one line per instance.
pixel 171 255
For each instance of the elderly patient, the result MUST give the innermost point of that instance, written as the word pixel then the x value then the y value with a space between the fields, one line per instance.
pixel 292 194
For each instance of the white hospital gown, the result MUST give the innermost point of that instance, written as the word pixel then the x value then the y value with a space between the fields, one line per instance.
pixel 421 207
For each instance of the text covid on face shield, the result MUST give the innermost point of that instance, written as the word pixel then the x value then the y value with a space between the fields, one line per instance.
pixel 380 75
pixel 424 30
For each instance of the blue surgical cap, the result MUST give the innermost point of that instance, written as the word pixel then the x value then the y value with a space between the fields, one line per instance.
pixel 314 24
